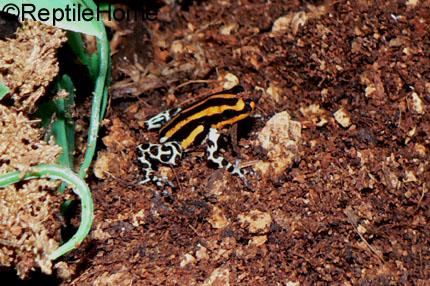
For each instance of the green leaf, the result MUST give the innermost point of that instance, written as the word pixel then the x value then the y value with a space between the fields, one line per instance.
pixel 64 127
pixel 77 45
pixel 3 90
pixel 57 120
pixel 62 14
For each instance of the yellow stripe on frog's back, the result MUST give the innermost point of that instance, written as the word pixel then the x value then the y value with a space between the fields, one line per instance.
pixel 194 106
pixel 193 135
pixel 210 111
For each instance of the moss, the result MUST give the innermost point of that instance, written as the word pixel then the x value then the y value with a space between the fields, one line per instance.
pixel 29 212
pixel 28 63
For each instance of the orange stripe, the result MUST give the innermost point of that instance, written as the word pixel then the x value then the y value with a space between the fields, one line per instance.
pixel 190 139
pixel 196 105
pixel 205 112
pixel 231 121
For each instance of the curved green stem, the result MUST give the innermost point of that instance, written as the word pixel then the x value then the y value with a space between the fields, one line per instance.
pixel 98 105
pixel 79 187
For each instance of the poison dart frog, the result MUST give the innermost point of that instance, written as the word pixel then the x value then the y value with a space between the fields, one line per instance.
pixel 200 122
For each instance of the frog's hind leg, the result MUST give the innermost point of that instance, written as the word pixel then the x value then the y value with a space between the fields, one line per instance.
pixel 168 153
pixel 218 160
pixel 160 119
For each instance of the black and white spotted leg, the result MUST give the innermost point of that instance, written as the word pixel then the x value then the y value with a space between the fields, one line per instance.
pixel 168 153
pixel 160 119
pixel 218 160
pixel 146 165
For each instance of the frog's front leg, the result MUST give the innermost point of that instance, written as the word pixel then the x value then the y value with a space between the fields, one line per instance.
pixel 160 119
pixel 218 160
pixel 168 153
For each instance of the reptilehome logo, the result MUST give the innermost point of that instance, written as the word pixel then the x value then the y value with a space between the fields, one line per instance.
pixel 77 13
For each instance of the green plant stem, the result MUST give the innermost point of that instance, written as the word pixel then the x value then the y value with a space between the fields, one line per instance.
pixel 79 187
pixel 99 92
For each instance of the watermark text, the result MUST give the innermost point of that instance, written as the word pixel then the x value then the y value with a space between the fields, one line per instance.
pixel 78 12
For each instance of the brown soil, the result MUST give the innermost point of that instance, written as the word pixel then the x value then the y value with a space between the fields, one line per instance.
pixel 353 209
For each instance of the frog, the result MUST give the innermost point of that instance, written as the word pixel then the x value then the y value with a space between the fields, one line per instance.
pixel 201 122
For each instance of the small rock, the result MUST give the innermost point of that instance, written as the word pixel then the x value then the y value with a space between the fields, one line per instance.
pixel 375 90
pixel 258 221
pixel 322 122
pixel 230 80
pixel 100 234
pixel 262 167
pixel 138 218
pixel 101 166
pixel 219 277
pixel 280 138
pixel 417 103
pixel 177 48
pixel 410 177
pixel 290 22
pixel 370 89
pixel 361 229
pixel 315 115
pixel 420 149
pixel 412 132
pixel 188 258
pixel 218 219
pixel 202 253
pixel 64 271
pixel 258 240
pixel 274 92
pixel 396 42
pixel 412 3
pixel 227 29
pixel 342 117
pixel 294 20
